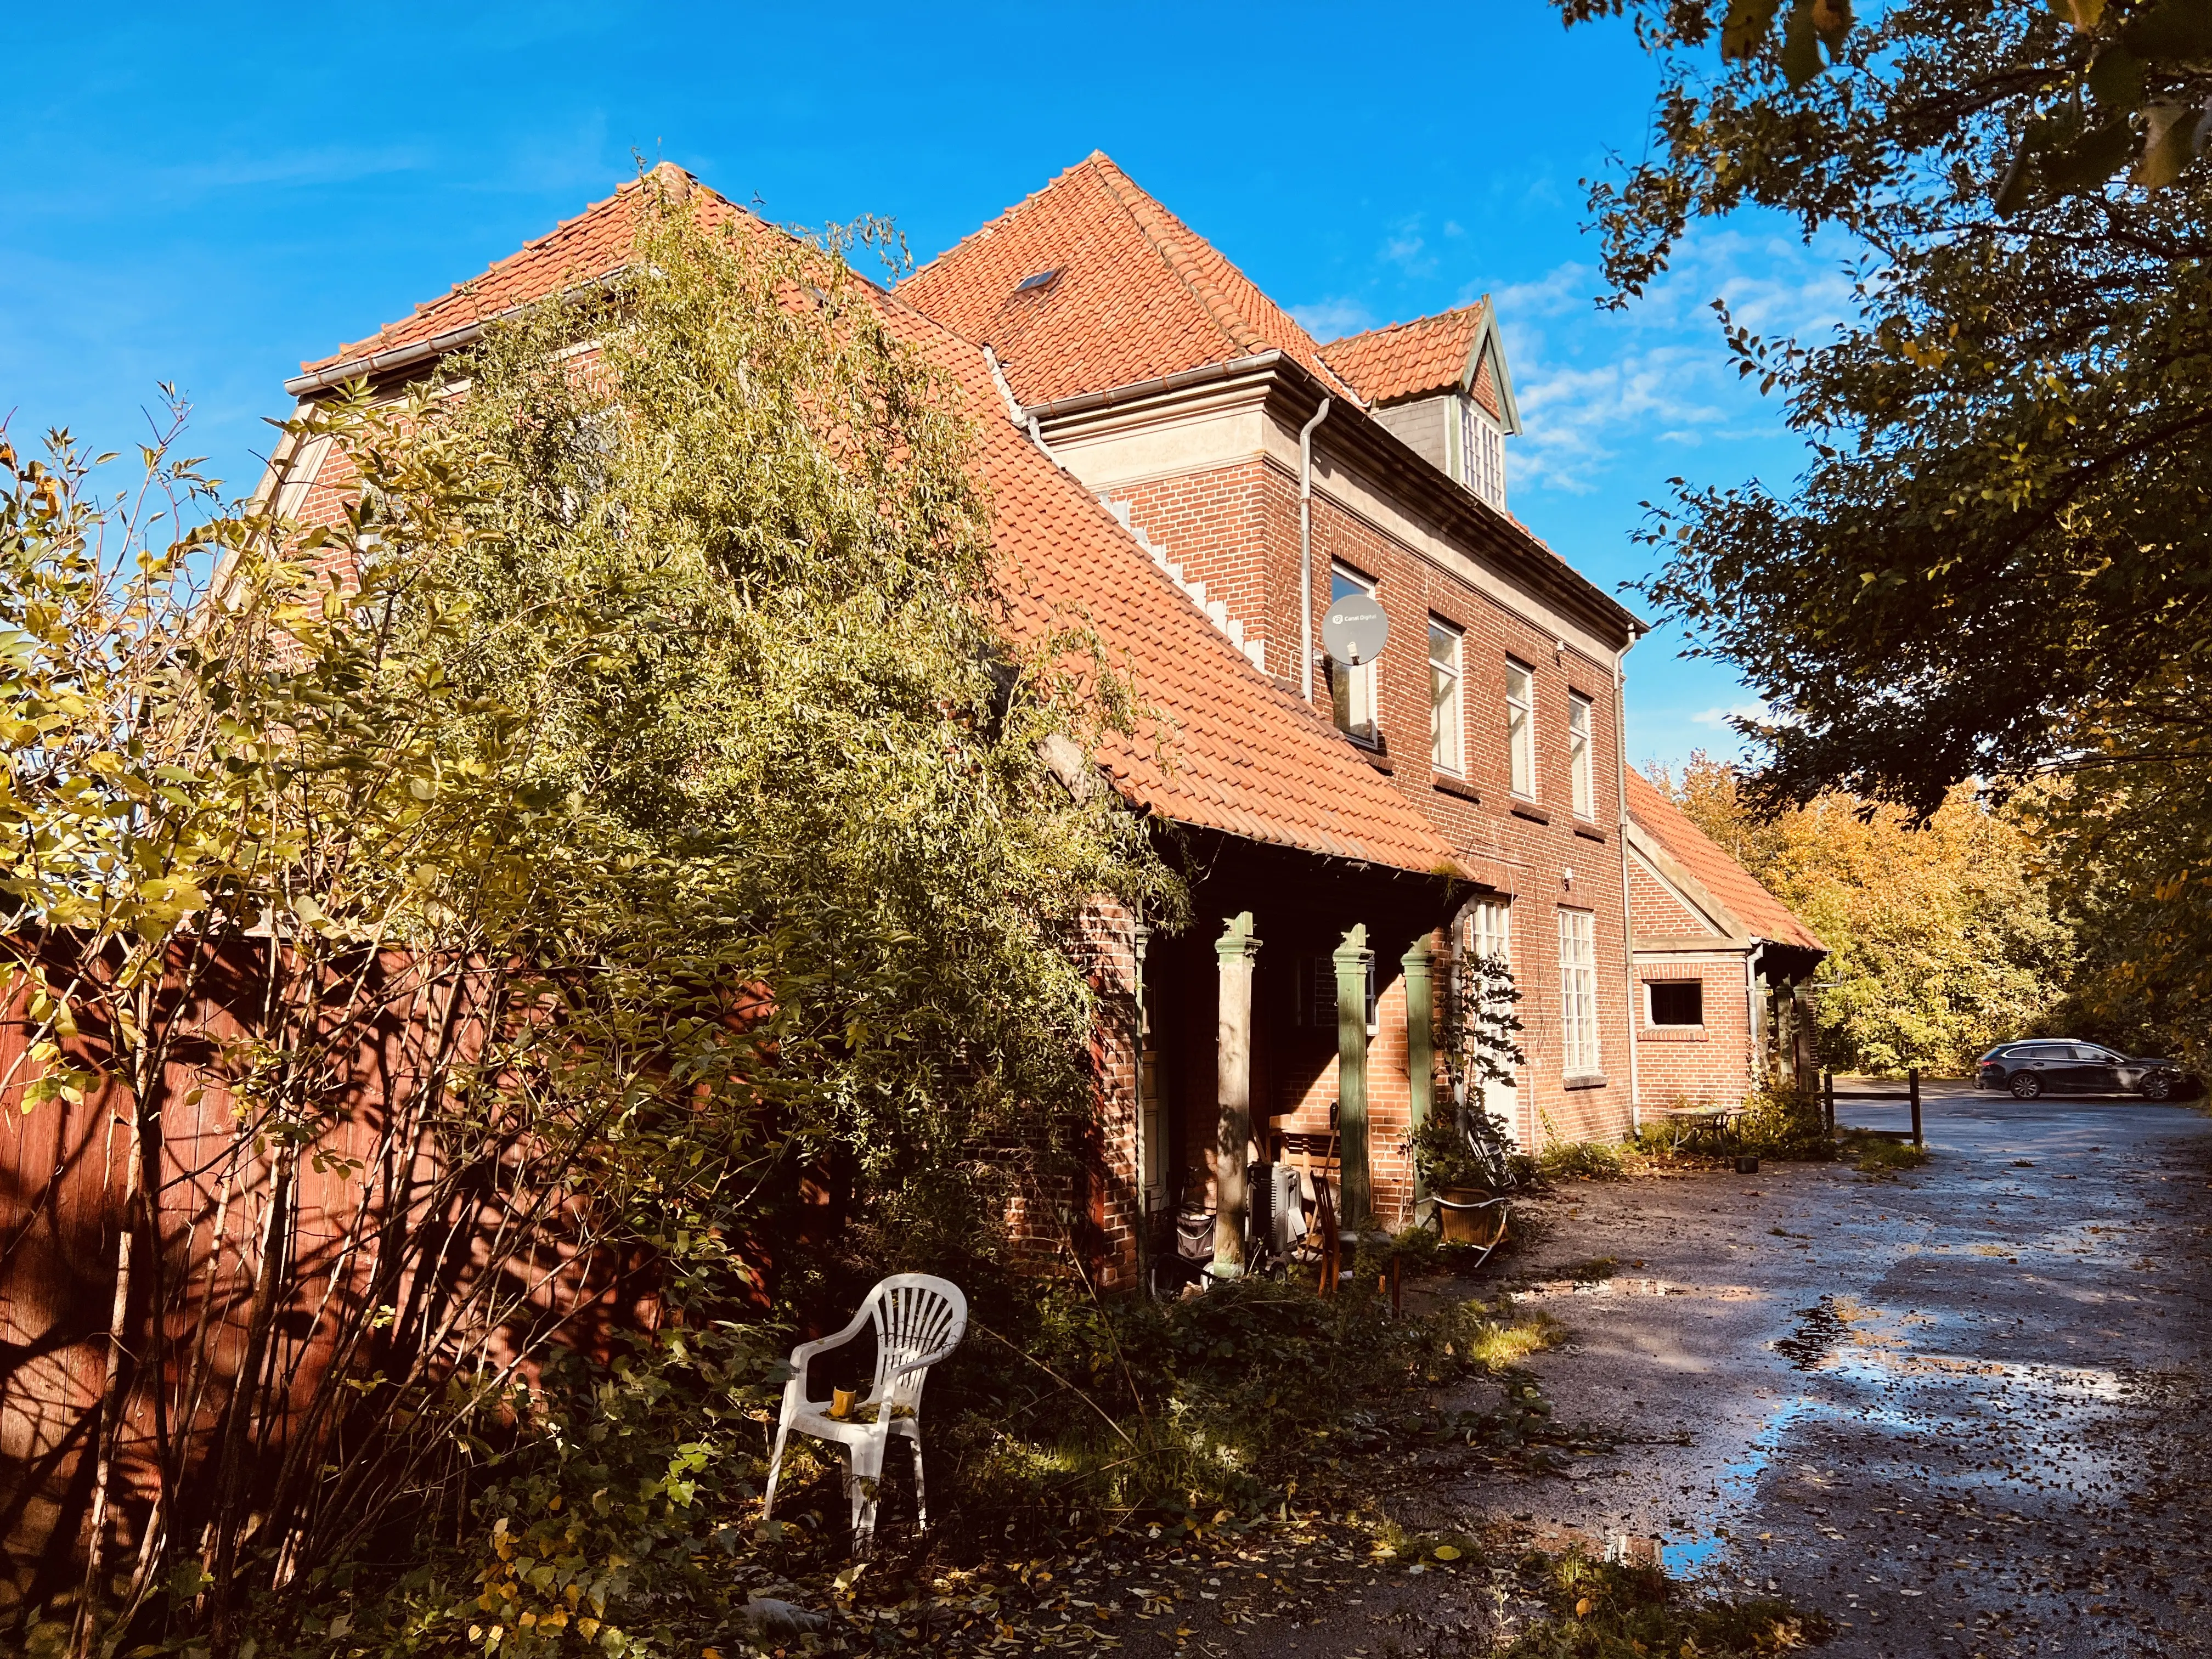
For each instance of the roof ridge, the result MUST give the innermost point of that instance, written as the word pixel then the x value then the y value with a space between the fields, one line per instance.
pixel 1184 266
pixel 467 286
pixel 1178 260
pixel 1411 322
pixel 982 232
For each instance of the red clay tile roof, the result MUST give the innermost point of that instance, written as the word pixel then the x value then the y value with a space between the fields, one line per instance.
pixel 1758 911
pixel 1407 360
pixel 1240 754
pixel 591 246
pixel 1139 293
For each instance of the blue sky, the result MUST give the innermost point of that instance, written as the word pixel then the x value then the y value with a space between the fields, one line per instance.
pixel 207 195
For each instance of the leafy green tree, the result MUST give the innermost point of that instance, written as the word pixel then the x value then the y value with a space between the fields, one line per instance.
pixel 1943 938
pixel 1994 566
pixel 645 746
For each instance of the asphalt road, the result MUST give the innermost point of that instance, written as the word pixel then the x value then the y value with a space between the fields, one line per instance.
pixel 1960 1411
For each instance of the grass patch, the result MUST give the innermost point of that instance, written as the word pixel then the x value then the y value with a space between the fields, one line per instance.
pixel 1593 1270
pixel 1610 1610
pixel 1881 1158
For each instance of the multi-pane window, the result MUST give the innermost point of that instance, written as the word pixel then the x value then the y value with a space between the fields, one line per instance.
pixel 1521 726
pixel 1490 930
pixel 1352 687
pixel 1578 754
pixel 1578 1053
pixel 1447 740
pixel 1482 447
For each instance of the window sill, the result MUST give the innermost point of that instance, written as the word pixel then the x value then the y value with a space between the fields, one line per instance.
pixel 1672 1034
pixel 1590 832
pixel 1444 785
pixel 1530 810
pixel 1588 1080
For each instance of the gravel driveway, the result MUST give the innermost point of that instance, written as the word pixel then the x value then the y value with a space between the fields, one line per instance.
pixel 1960 1411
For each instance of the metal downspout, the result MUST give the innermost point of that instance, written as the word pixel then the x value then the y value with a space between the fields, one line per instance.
pixel 1305 550
pixel 1140 942
pixel 1751 1014
pixel 1627 909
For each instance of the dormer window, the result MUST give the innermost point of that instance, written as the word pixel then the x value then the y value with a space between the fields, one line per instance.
pixel 1482 452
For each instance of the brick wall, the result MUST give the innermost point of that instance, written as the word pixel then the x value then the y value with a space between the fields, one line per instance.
pixel 1234 528
pixel 1657 911
pixel 1703 1064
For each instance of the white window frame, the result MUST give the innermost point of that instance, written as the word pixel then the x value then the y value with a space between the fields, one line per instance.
pixel 1579 1050
pixel 1482 452
pixel 1447 711
pixel 1490 929
pixel 1650 1005
pixel 1578 755
pixel 1521 728
pixel 1353 689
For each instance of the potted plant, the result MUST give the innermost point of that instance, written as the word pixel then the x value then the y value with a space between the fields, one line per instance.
pixel 1464 1169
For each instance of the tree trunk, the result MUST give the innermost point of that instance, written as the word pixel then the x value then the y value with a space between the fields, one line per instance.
pixel 108 1432
pixel 238 1415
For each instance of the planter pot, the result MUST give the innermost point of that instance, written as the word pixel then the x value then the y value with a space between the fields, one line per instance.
pixel 1747 1164
pixel 1469 1226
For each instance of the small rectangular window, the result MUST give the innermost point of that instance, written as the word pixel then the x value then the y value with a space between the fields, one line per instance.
pixel 1352 687
pixel 1521 726
pixel 1578 992
pixel 1445 732
pixel 1578 755
pixel 1676 1001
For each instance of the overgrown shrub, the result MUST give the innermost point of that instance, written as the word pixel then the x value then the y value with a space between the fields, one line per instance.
pixel 1781 1125
pixel 1582 1160
pixel 622 1510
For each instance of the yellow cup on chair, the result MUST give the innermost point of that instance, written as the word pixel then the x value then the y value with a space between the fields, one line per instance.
pixel 840 1403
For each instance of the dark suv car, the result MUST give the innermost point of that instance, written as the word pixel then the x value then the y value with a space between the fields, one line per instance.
pixel 2052 1067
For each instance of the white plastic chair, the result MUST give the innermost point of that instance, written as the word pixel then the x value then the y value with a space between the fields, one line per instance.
pixel 919 1320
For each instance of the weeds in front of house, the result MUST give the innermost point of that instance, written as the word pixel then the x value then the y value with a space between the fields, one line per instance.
pixel 623 1512
pixel 1598 1610
pixel 1881 1158
pixel 1781 1125
pixel 1593 1270
pixel 1582 1160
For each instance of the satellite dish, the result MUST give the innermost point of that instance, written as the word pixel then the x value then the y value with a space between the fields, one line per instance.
pixel 1355 630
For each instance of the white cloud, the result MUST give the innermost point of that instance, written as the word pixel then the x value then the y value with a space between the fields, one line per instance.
pixel 1655 372
pixel 1332 319
pixel 1407 249
pixel 1719 718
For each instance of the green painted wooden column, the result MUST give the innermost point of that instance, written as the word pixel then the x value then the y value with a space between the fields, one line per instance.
pixel 1232 1087
pixel 1352 958
pixel 1420 1041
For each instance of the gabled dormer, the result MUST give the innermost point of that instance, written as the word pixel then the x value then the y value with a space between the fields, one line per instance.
pixel 1440 383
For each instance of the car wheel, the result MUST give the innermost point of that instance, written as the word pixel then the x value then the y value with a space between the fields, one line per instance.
pixel 2158 1086
pixel 2026 1087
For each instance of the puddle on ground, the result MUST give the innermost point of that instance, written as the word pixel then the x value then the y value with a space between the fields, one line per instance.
pixel 1550 1288
pixel 1820 1327
pixel 2033 1422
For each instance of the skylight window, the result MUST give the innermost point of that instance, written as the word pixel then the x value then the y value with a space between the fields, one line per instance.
pixel 1042 279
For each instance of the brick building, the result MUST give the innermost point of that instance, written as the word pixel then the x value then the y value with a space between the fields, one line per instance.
pixel 1722 968
pixel 1170 456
